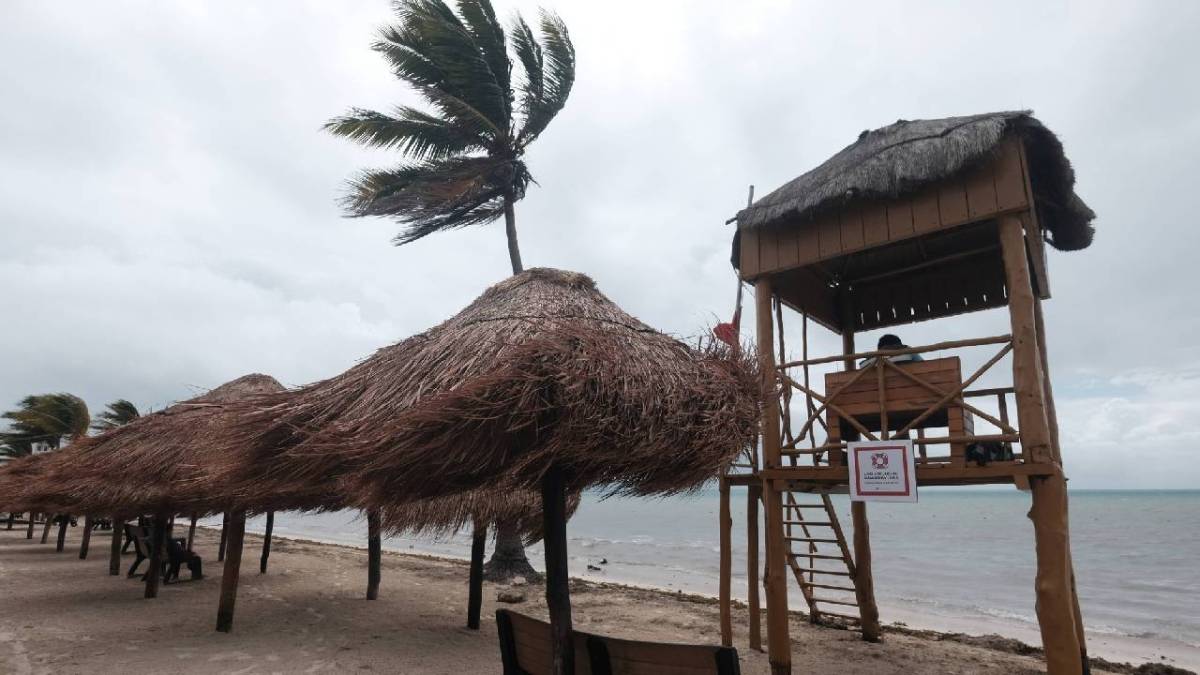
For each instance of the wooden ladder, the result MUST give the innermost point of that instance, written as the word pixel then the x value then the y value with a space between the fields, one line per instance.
pixel 820 558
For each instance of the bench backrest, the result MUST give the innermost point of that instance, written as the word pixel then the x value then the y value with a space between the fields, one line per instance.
pixel 141 540
pixel 525 649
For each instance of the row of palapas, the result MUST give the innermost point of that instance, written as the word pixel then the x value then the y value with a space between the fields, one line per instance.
pixel 542 384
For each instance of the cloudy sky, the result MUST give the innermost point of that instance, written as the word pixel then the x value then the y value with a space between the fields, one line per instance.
pixel 168 216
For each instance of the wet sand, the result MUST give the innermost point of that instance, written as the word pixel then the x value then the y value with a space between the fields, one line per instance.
pixel 59 614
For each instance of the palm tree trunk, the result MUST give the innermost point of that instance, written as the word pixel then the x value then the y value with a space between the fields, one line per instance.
pixel 510 229
pixel 509 560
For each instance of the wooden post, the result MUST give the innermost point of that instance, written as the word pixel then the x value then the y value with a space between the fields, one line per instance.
pixel 229 576
pixel 779 647
pixel 158 540
pixel 86 539
pixel 753 497
pixel 1056 447
pixel 374 554
pixel 29 530
pixel 191 540
pixel 64 520
pixel 1055 601
pixel 224 536
pixel 558 590
pixel 475 580
pixel 725 526
pixel 864 583
pixel 114 550
pixel 11 517
pixel 266 547
pixel 46 528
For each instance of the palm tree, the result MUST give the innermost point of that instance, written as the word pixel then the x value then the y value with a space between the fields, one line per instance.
pixel 465 163
pixel 465 155
pixel 46 419
pixel 118 413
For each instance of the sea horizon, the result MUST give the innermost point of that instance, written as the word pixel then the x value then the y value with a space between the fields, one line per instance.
pixel 957 561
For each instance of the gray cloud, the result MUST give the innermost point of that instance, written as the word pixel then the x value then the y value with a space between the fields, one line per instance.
pixel 168 216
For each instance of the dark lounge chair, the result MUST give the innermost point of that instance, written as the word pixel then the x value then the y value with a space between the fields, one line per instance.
pixel 525 649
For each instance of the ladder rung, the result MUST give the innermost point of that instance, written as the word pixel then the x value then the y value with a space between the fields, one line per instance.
pixel 829 601
pixel 810 523
pixel 818 571
pixel 812 540
pixel 803 506
pixel 818 556
pixel 847 617
pixel 829 587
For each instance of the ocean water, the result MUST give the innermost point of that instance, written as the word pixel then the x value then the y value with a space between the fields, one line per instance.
pixel 957 560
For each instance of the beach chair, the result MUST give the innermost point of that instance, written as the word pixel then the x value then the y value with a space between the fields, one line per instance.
pixel 178 554
pixel 525 649
pixel 141 546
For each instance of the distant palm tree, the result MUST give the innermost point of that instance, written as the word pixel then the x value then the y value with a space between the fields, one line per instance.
pixel 118 413
pixel 467 166
pixel 46 419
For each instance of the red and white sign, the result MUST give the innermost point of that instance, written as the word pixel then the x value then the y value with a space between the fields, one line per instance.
pixel 882 471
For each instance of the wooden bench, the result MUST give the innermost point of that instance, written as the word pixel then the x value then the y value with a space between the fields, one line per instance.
pixel 525 649
pixel 904 400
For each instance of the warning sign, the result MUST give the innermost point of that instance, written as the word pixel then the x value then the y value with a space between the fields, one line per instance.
pixel 882 471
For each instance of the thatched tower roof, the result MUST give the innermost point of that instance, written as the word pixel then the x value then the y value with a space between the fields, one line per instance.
pixel 901 158
pixel 541 369
pixel 137 468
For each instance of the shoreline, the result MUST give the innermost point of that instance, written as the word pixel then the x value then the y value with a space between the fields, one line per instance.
pixel 1116 653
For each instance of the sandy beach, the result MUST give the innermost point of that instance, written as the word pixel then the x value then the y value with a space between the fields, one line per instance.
pixel 308 615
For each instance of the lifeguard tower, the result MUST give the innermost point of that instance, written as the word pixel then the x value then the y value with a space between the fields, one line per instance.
pixel 915 221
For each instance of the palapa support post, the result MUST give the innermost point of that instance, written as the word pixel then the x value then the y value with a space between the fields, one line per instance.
pixel 753 497
pixel 158 541
pixel 46 528
pixel 229 575
pixel 475 580
pixel 191 540
pixel 1054 584
pixel 86 539
pixel 29 530
pixel 864 582
pixel 63 521
pixel 224 536
pixel 724 599
pixel 558 591
pixel 266 547
pixel 779 646
pixel 114 549
pixel 11 517
pixel 374 554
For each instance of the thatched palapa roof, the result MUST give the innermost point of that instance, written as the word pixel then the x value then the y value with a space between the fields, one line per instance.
pixel 542 369
pixel 901 158
pixel 139 467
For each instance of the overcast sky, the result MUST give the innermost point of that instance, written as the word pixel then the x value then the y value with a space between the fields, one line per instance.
pixel 168 216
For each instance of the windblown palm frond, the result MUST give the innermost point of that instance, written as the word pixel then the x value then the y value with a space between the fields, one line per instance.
pixel 48 419
pixel 118 413
pixel 467 148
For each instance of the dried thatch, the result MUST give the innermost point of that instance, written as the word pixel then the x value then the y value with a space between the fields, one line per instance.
pixel 518 509
pixel 138 468
pixel 540 370
pixel 901 158
pixel 16 477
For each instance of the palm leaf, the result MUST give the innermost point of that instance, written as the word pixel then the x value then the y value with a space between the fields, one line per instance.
pixel 558 77
pixel 412 131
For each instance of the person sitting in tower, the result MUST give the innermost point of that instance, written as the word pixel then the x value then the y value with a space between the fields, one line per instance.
pixel 888 342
